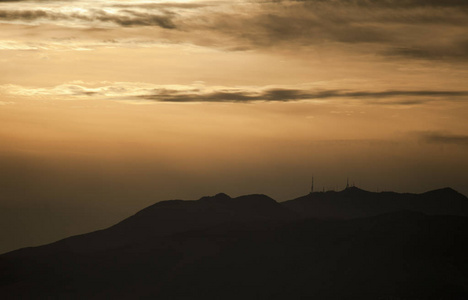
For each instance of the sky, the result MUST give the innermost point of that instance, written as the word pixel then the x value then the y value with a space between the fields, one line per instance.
pixel 107 107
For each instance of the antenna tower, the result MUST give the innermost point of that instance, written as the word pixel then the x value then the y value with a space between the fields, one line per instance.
pixel 312 185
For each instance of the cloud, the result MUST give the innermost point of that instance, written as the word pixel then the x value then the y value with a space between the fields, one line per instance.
pixel 409 29
pixel 456 50
pixel 88 16
pixel 71 44
pixel 283 95
pixel 202 93
pixel 386 3
pixel 430 30
pixel 78 89
pixel 444 138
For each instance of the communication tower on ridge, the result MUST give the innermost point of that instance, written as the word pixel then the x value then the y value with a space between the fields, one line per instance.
pixel 312 185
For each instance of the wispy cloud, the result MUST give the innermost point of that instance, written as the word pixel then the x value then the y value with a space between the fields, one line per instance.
pixel 87 17
pixel 202 93
pixel 399 28
pixel 288 94
pixel 439 137
pixel 86 13
pixel 411 29
pixel 82 44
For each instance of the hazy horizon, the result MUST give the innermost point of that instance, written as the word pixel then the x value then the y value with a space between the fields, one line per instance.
pixel 107 107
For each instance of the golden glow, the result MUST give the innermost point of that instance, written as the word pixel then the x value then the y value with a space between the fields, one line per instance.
pixel 114 105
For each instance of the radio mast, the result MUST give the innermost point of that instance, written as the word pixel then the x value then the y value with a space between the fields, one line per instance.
pixel 312 185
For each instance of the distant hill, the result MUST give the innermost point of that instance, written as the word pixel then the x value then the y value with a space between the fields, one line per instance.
pixel 354 202
pixel 174 216
pixel 252 247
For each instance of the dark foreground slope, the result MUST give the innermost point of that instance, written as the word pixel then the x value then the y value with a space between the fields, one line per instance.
pixel 354 202
pixel 247 248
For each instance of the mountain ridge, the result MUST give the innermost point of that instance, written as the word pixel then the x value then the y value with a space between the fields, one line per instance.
pixel 252 247
pixel 180 215
pixel 354 202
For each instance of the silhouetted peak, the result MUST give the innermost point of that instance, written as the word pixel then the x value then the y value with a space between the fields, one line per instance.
pixel 354 190
pixel 443 190
pixel 217 197
pixel 222 196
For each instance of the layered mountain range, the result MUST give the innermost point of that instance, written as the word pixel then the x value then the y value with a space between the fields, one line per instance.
pixel 352 244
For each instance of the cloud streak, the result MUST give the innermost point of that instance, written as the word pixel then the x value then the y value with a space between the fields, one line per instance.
pixel 202 93
pixel 284 95
pixel 444 138
pixel 396 27
pixel 125 18
pixel 411 29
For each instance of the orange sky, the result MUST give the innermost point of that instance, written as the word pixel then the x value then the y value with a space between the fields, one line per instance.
pixel 109 106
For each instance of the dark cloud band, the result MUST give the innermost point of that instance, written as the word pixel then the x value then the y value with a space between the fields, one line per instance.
pixel 408 29
pixel 444 138
pixel 284 95
pixel 130 18
pixel 202 93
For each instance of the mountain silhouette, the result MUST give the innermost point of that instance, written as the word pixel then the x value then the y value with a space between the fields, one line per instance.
pixel 175 216
pixel 252 247
pixel 353 202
